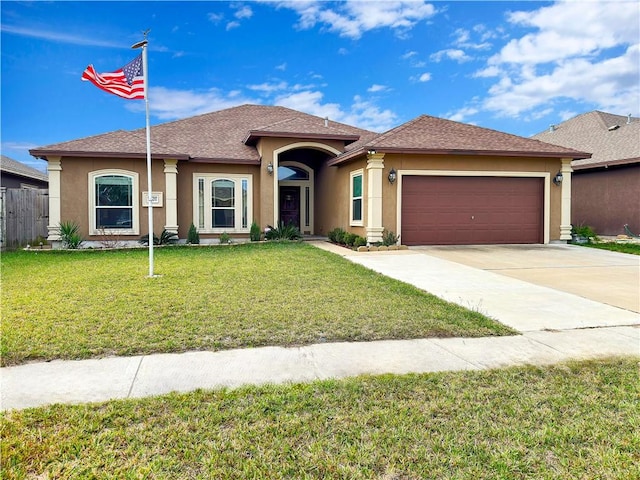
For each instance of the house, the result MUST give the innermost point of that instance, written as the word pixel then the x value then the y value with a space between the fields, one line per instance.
pixel 432 181
pixel 14 174
pixel 605 187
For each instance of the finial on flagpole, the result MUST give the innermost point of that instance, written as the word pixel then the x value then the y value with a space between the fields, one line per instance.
pixel 143 42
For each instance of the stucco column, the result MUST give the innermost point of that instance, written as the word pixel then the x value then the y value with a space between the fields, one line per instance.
pixel 565 212
pixel 54 167
pixel 171 186
pixel 374 228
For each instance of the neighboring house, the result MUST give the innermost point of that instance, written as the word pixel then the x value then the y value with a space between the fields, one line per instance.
pixel 606 187
pixel 14 174
pixel 452 183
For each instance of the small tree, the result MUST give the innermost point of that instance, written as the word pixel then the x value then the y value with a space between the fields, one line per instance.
pixel 254 233
pixel 70 236
pixel 193 236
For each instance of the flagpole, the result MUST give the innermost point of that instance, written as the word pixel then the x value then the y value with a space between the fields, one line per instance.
pixel 145 74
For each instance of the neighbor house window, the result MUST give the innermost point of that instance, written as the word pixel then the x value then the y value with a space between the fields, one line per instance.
pixel 222 203
pixel 113 202
pixel 356 198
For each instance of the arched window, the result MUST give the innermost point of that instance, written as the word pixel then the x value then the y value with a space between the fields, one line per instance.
pixel 289 172
pixel 113 202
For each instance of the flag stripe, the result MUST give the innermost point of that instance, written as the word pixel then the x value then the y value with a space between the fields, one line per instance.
pixel 116 82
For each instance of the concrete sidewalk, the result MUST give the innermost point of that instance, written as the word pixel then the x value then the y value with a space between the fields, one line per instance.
pixel 557 326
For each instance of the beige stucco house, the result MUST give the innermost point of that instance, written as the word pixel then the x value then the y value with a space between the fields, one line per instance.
pixel 432 181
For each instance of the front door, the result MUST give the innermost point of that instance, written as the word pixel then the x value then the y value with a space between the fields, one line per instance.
pixel 290 205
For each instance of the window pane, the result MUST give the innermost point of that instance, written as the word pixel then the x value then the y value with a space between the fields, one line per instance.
pixel 114 218
pixel 292 173
pixel 357 209
pixel 223 193
pixel 114 191
pixel 357 186
pixel 201 203
pixel 223 218
pixel 245 205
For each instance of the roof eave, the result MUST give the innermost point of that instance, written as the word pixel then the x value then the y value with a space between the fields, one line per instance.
pixel 425 151
pixel 253 135
pixel 607 164
pixel 43 154
pixel 235 161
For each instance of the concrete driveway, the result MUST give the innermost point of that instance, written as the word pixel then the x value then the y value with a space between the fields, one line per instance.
pixel 600 275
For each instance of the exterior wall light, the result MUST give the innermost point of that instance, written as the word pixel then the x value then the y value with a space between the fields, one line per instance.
pixel 371 152
pixel 392 176
pixel 557 180
pixel 270 169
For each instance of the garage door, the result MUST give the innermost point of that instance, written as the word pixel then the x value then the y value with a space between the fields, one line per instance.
pixel 471 210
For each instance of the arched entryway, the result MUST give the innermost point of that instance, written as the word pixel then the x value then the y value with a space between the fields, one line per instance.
pixel 294 184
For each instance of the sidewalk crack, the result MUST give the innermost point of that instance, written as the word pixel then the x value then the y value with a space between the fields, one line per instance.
pixel 135 376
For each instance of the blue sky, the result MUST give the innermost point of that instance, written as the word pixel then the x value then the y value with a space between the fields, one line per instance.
pixel 511 66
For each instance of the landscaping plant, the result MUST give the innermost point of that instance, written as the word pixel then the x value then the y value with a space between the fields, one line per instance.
pixel 254 232
pixel 283 232
pixel 193 237
pixel 70 236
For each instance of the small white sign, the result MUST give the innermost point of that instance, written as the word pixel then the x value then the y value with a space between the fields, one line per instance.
pixel 155 200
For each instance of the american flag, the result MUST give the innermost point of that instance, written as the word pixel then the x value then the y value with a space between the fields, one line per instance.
pixel 127 82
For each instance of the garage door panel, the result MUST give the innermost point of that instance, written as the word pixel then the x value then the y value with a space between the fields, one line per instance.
pixel 471 210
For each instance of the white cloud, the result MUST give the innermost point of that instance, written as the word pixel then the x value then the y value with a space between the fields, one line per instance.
pixel 215 17
pixel 354 18
pixel 586 52
pixel 62 37
pixel 361 113
pixel 282 67
pixel 244 12
pixel 232 25
pixel 377 88
pixel 452 54
pixel 425 77
pixel 462 114
pixel 171 104
pixel 269 88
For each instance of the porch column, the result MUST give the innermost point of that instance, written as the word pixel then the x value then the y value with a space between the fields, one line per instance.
pixel 565 212
pixel 54 167
pixel 375 165
pixel 171 187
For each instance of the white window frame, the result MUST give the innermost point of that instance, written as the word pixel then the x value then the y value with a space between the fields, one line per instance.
pixel 352 175
pixel 135 214
pixel 208 179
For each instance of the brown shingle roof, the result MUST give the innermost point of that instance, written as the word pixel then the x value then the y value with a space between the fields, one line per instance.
pixel 215 136
pixel 426 134
pixel 611 139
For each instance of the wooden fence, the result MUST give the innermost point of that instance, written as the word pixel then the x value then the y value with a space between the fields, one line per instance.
pixel 24 216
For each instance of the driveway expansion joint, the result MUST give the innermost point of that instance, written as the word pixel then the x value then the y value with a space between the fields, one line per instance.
pixel 135 376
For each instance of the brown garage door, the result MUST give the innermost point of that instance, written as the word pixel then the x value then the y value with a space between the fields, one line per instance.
pixel 471 210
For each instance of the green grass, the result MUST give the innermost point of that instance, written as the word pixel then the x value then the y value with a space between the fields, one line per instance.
pixel 83 304
pixel 632 248
pixel 574 420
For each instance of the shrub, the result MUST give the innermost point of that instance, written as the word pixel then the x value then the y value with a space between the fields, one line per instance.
pixel 225 238
pixel 389 238
pixel 70 236
pixel 348 238
pixel 359 241
pixel 584 231
pixel 254 232
pixel 334 234
pixel 193 236
pixel 165 238
pixel 283 232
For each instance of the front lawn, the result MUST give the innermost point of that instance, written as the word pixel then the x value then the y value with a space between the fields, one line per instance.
pixel 82 304
pixel 632 248
pixel 574 420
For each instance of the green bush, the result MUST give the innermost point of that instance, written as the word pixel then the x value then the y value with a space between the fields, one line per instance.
pixel 335 235
pixel 283 232
pixel 254 233
pixel 584 231
pixel 359 241
pixel 70 236
pixel 389 238
pixel 193 237
pixel 348 238
pixel 225 238
pixel 165 238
